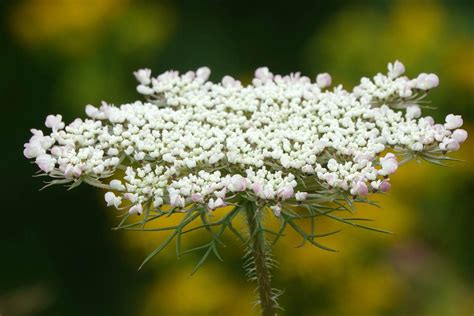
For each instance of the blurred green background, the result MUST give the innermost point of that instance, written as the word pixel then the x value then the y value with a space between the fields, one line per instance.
pixel 58 253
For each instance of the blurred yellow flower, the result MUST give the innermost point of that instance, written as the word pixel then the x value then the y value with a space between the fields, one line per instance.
pixel 77 27
pixel 416 32
pixel 72 25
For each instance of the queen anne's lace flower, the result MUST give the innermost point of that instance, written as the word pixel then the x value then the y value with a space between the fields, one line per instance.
pixel 195 141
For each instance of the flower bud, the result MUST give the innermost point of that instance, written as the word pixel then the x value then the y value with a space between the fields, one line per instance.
pixel 157 202
pixel 116 185
pixel 176 200
pixel 132 197
pixel 228 82
pixel 221 194
pixel 413 111
pixel 332 165
pixel 111 199
pixel 429 120
pixel 71 172
pixel 45 162
pixel 427 81
pixel 203 73
pixel 145 90
pixel 307 169
pixel 396 69
pixel 54 122
pixel 385 185
pixel 33 150
pixel 361 189
pixel 405 92
pixel 451 145
pixel 301 196
pixel 276 209
pixel 143 76
pixel 196 197
pixel 417 146
pixel 213 204
pixel 433 81
pixel 389 164
pixel 136 209
pixel 286 192
pixel 264 74
pixel 267 193
pixel 237 183
pixel 257 188
pixel 190 163
pixel 453 121
pixel 459 135
pixel 323 80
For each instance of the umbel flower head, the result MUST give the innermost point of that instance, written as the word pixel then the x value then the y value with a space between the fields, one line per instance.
pixel 280 143
pixel 280 139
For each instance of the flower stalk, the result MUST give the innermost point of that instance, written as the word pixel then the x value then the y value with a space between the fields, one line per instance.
pixel 260 253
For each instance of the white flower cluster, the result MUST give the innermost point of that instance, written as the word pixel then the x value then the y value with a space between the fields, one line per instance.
pixel 195 141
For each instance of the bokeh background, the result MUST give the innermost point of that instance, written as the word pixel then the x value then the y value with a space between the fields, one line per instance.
pixel 58 255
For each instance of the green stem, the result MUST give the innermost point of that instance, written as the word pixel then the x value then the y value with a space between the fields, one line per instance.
pixel 259 253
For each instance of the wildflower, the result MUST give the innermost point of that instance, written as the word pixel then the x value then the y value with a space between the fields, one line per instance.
pixel 197 146
pixel 268 157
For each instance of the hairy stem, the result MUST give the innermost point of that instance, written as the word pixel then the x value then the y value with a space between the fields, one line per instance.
pixel 260 256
